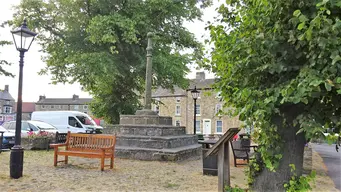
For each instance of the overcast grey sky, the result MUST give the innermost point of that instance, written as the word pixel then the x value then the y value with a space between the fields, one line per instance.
pixel 34 84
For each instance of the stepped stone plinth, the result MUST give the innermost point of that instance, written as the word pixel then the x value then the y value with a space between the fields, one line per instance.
pixel 153 137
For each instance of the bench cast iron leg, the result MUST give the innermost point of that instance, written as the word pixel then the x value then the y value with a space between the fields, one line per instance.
pixel 66 159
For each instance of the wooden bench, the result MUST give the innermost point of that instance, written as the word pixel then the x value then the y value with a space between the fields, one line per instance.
pixel 86 145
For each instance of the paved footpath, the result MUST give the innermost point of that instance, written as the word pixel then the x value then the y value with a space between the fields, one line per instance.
pixel 332 160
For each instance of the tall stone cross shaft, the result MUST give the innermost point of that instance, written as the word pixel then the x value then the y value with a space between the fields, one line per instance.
pixel 148 96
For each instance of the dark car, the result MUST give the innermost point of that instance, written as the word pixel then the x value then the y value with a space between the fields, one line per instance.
pixel 8 138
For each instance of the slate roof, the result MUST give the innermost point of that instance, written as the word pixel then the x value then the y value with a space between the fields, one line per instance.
pixel 64 101
pixel 4 95
pixel 199 83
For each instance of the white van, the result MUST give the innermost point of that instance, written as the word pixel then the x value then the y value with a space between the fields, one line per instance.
pixel 64 121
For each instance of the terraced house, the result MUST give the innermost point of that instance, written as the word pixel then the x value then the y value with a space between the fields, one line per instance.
pixel 7 104
pixel 180 105
pixel 63 104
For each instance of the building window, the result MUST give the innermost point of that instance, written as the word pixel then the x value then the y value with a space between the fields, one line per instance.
pixel 177 122
pixel 7 102
pixel 178 99
pixel 197 127
pixel 219 126
pixel 43 106
pixel 58 107
pixel 8 109
pixel 52 106
pixel 85 107
pixel 217 109
pixel 1 118
pixel 177 110
pixel 75 107
pixel 197 110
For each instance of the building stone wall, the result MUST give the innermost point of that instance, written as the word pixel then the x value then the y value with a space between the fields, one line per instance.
pixel 208 101
pixel 55 107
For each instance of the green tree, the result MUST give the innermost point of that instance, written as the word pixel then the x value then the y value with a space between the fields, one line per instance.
pixel 101 44
pixel 4 62
pixel 279 66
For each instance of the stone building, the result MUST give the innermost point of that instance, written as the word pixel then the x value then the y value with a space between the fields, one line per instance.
pixel 179 105
pixel 7 104
pixel 63 104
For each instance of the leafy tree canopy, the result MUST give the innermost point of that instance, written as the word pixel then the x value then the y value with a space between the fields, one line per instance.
pixel 280 59
pixel 101 44
pixel 4 62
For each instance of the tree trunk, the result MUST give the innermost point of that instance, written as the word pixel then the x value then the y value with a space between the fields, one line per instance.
pixel 293 148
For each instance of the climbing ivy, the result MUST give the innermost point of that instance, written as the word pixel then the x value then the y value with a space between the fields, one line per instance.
pixel 299 183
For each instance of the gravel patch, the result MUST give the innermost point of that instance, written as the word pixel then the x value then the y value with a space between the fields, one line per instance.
pixel 83 174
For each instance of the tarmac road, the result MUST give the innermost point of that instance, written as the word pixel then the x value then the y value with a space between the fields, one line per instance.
pixel 332 160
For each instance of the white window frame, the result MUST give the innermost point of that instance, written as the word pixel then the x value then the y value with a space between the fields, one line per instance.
pixel 176 122
pixel 9 110
pixel 76 107
pixel 1 118
pixel 85 107
pixel 51 106
pixel 177 113
pixel 216 127
pixel 43 106
pixel 196 128
pixel 197 106
pixel 217 110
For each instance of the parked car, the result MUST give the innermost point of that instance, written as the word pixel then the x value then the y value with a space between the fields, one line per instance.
pixel 64 121
pixel 8 138
pixel 37 127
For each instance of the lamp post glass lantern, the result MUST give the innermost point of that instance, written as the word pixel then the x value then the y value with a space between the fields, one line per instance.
pixel 195 95
pixel 23 39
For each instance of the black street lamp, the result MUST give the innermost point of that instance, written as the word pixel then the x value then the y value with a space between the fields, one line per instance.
pixel 23 39
pixel 195 95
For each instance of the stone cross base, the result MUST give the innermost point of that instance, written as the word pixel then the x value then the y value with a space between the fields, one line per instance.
pixel 153 137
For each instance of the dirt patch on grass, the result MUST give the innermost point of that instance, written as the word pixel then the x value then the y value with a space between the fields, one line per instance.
pixel 128 175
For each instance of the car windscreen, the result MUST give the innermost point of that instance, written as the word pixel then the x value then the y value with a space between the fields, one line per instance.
pixel 42 125
pixel 3 129
pixel 85 120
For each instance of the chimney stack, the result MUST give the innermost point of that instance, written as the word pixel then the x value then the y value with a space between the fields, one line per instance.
pixel 41 97
pixel 200 75
pixel 6 88
pixel 75 97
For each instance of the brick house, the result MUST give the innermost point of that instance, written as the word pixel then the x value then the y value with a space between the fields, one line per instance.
pixel 180 106
pixel 27 110
pixel 7 104
pixel 63 104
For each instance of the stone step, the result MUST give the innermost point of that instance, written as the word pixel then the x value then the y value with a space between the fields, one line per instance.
pixel 156 142
pixel 151 130
pixel 145 120
pixel 150 154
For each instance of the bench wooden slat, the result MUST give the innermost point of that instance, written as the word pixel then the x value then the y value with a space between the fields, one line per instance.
pixel 87 145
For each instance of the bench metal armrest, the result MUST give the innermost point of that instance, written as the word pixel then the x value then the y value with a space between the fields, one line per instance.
pixel 240 150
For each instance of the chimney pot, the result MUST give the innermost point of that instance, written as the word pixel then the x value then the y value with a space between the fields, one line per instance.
pixel 6 88
pixel 200 75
